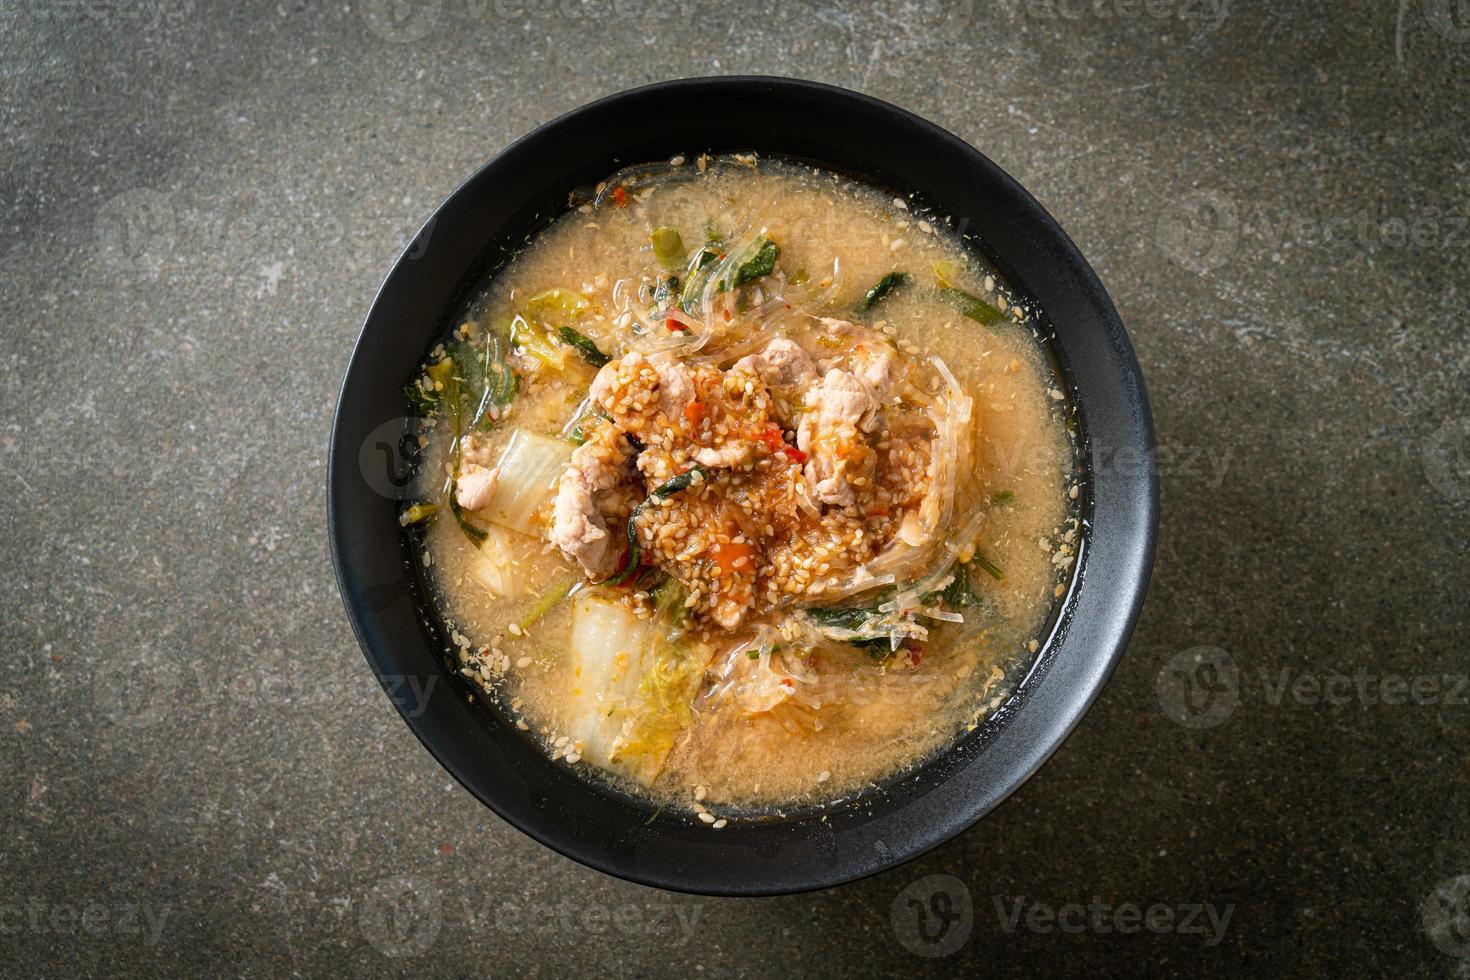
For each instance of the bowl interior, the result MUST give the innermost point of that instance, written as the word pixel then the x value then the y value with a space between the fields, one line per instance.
pixel 482 224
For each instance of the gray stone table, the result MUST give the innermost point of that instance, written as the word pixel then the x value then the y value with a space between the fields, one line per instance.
pixel 198 201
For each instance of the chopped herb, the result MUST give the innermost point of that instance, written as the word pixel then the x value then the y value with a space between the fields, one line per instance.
pixel 590 352
pixel 881 289
pixel 1003 498
pixel 971 306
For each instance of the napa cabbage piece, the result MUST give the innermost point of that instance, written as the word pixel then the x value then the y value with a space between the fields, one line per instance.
pixel 529 467
pixel 632 686
pixel 511 565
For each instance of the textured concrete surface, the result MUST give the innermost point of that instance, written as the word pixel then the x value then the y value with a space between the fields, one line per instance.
pixel 199 200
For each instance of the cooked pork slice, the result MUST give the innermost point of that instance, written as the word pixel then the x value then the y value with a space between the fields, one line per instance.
pixel 475 486
pixel 841 399
pixel 731 454
pixel 781 365
pixel 876 367
pixel 839 410
pixel 635 379
pixel 675 385
pixel 579 527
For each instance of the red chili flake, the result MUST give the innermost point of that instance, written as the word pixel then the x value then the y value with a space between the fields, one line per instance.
pixel 620 197
pixel 674 323
pixel 794 454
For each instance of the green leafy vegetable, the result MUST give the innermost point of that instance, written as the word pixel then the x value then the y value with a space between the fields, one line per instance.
pixel 476 535
pixel 762 263
pixel 858 619
pixel 668 599
pixel 971 306
pixel 958 594
pixel 590 352
pixel 567 302
pixel 483 377
pixel 635 551
pixel 881 289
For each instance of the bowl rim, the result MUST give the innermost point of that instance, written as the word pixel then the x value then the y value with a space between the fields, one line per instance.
pixel 1037 734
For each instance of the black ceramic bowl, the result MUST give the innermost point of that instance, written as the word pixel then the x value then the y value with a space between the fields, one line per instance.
pixel 479 226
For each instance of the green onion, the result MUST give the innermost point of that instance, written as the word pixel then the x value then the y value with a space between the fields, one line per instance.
pixel 668 247
pixel 989 568
pixel 881 289
pixel 418 513
pixel 548 602
pixel 1003 498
